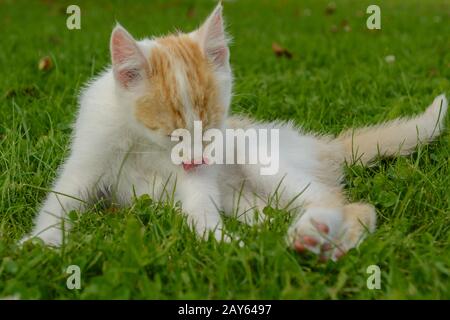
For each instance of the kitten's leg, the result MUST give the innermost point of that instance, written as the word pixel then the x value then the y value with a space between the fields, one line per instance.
pixel 199 194
pixel 249 208
pixel 243 204
pixel 239 199
pixel 70 192
pixel 319 207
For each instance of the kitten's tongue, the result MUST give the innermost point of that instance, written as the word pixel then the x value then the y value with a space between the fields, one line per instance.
pixel 188 166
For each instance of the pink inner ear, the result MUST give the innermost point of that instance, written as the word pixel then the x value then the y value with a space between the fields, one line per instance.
pixel 122 46
pixel 216 24
pixel 127 59
pixel 127 77
pixel 219 55
pixel 213 36
pixel 121 49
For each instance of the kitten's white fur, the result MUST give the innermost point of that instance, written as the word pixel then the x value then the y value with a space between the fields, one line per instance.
pixel 111 153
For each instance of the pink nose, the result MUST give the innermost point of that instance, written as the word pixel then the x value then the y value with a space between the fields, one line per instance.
pixel 188 166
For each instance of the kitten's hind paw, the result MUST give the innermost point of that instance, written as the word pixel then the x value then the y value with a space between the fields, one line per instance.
pixel 331 233
pixel 316 231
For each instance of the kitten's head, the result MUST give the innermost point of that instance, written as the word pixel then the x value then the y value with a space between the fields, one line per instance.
pixel 169 82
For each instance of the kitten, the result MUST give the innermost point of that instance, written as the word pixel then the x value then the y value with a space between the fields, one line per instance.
pixel 122 144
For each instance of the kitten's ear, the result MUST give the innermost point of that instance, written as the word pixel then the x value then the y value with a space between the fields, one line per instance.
pixel 213 38
pixel 129 64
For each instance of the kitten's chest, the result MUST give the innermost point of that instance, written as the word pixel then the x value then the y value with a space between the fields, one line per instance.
pixel 146 162
pixel 145 171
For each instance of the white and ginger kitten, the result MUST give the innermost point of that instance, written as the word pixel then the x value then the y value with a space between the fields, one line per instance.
pixel 122 146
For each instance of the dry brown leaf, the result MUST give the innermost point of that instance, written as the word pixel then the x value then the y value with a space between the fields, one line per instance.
pixel 54 39
pixel 280 51
pixel 45 64
pixel 29 91
pixel 191 12
pixel 112 209
pixel 433 72
pixel 330 9
pixel 346 26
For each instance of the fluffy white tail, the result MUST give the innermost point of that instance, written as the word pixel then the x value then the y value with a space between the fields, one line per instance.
pixel 396 137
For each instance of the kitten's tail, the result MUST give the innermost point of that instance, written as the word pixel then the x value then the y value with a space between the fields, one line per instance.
pixel 396 137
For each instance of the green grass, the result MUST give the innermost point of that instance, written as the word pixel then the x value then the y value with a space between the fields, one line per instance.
pixel 335 80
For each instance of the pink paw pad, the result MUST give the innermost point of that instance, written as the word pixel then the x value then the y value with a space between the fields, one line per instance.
pixel 322 227
pixel 339 254
pixel 299 247
pixel 310 241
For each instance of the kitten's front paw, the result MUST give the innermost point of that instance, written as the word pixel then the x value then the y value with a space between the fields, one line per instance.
pixel 51 237
pixel 318 231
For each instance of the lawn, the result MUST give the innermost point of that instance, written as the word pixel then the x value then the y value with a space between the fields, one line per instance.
pixel 338 77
